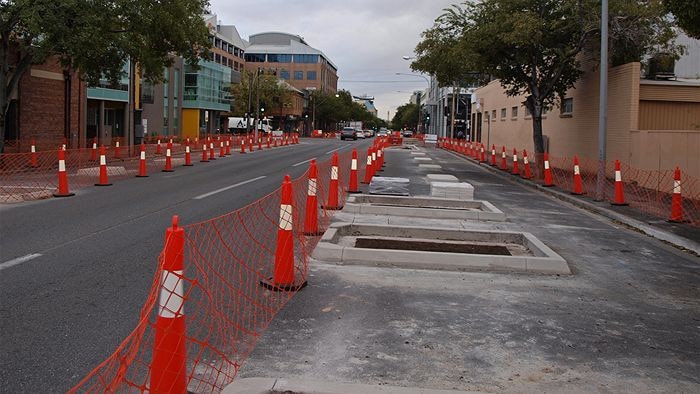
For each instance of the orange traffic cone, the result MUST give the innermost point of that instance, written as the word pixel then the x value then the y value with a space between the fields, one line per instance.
pixel 104 181
pixel 62 176
pixel 353 173
pixel 333 189
pixel 222 149
pixel 205 158
pixel 117 150
pixel 493 155
pixel 158 148
pixel 526 163
pixel 368 168
pixel 93 152
pixel 142 162
pixel 268 142
pixel 578 187
pixel 32 158
pixel 260 143
pixel 504 165
pixel 169 364
pixel 188 154
pixel 228 146
pixel 242 141
pixel 547 172
pixel 676 199
pixel 212 152
pixel 516 169
pixel 250 143
pixel 168 158
pixel 311 220
pixel 283 277
pixel 619 186
pixel 375 164
pixel 482 159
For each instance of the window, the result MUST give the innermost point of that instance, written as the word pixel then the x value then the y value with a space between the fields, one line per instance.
pixel 230 48
pixel 284 74
pixel 311 75
pixel 514 112
pixel 235 66
pixel 275 58
pixel 527 111
pixel 235 51
pixel 567 106
pixel 255 57
pixel 503 113
pixel 493 115
pixel 305 58
pixel 217 43
pixel 298 75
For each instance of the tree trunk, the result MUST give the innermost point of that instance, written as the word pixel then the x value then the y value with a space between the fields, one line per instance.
pixel 535 108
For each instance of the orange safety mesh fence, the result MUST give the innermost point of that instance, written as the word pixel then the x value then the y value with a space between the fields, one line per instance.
pixel 649 191
pixel 225 307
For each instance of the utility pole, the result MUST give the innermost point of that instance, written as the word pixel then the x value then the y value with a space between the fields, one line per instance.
pixel 454 109
pixel 250 110
pixel 257 102
pixel 418 94
pixel 603 112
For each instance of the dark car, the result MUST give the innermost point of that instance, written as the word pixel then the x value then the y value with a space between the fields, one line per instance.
pixel 348 133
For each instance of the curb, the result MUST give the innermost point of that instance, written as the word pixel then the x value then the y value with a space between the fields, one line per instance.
pixel 301 385
pixel 677 241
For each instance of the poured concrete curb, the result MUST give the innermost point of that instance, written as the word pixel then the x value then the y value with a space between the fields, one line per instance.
pixel 306 386
pixel 546 261
pixel 436 208
pixel 675 240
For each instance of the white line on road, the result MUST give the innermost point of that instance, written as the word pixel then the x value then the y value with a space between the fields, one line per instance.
pixel 331 151
pixel 223 189
pixel 305 161
pixel 18 260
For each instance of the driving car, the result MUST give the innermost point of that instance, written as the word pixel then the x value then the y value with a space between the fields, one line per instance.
pixel 407 133
pixel 348 133
pixel 360 133
pixel 369 133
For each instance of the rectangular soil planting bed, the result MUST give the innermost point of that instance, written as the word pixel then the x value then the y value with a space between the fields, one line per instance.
pixel 437 249
pixel 424 207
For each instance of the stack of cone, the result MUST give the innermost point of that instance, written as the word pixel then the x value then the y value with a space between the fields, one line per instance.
pixel 283 276
pixel 32 159
pixel 142 162
pixel 504 165
pixel 104 181
pixel 578 186
pixel 333 188
pixel 619 186
pixel 62 176
pixel 205 158
pixel 368 168
pixel 516 169
pixel 493 155
pixel 168 372
pixel 547 172
pixel 353 173
pixel 526 164
pixel 168 158
pixel 676 199
pixel 311 220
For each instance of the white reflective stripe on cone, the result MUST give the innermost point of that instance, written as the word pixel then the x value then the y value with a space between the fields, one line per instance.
pixel 676 187
pixel 170 303
pixel 117 144
pixel 369 160
pixel 143 155
pixel 618 176
pixel 334 173
pixel 167 152
pixel 503 154
pixel 62 166
pixel 353 164
pixel 312 187
pixel 285 217
pixel 546 164
pixel 33 149
pixel 379 153
pixel 577 171
pixel 525 160
pixel 103 160
pixel 187 149
pixel 493 152
pixel 515 157
pixel 94 145
pixel 374 156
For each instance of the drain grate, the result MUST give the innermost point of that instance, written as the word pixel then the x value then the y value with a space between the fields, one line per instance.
pixel 394 244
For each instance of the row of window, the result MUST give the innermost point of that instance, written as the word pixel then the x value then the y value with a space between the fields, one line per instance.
pixel 280 58
pixel 225 61
pixel 230 48
pixel 566 109
pixel 298 75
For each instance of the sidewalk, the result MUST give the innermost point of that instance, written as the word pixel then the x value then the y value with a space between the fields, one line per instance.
pixel 625 321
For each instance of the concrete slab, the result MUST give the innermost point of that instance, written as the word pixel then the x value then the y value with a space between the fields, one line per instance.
pixel 460 190
pixel 429 166
pixel 441 178
pixel 427 207
pixel 389 185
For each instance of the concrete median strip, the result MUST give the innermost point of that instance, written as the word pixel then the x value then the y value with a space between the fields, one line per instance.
pixel 525 252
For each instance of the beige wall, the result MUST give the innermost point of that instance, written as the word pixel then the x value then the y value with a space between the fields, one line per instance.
pixel 650 124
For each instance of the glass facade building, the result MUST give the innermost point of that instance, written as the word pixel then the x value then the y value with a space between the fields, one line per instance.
pixel 208 87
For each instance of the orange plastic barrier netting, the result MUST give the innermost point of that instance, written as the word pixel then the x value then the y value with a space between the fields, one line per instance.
pixel 648 191
pixel 225 307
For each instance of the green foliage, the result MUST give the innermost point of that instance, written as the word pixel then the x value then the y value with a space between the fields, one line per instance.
pixel 272 92
pixel 405 116
pixel 331 110
pixel 687 14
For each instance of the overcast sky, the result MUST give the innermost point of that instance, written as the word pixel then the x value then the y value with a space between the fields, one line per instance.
pixel 364 38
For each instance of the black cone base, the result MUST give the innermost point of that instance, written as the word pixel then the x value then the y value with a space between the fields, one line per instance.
pixel 270 285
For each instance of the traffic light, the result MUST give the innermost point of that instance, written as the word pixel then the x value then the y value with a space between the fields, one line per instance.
pixel 427 119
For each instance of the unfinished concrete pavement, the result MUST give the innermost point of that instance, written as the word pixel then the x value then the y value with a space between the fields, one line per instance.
pixel 627 320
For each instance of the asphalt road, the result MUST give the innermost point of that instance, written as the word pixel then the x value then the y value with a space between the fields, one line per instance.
pixel 74 272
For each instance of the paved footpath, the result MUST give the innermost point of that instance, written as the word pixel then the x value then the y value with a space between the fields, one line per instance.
pixel 626 320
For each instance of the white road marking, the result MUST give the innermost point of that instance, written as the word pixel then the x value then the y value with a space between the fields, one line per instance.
pixel 331 151
pixel 19 260
pixel 223 189
pixel 305 161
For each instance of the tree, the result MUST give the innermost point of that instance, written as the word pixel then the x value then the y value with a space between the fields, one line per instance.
pixel 271 91
pixel 405 116
pixel 96 38
pixel 533 46
pixel 687 14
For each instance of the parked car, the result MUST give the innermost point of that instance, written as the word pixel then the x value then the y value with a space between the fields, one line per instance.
pixel 360 134
pixel 348 133
pixel 407 133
